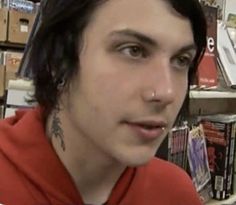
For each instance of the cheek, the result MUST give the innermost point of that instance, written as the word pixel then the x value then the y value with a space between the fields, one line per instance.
pixel 105 90
pixel 100 96
pixel 108 101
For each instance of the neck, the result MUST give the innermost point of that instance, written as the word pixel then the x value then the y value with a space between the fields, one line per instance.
pixel 93 172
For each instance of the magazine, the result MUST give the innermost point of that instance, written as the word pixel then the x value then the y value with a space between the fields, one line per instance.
pixel 198 159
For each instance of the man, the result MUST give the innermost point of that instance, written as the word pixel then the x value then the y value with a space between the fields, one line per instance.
pixel 110 78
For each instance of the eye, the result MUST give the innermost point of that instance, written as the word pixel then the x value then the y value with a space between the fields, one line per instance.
pixel 182 62
pixel 133 51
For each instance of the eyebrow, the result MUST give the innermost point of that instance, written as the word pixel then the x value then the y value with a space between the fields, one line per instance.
pixel 139 36
pixel 147 40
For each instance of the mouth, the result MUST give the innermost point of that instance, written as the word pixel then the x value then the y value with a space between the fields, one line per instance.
pixel 148 130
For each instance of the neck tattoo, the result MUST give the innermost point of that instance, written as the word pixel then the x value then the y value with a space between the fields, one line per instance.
pixel 56 130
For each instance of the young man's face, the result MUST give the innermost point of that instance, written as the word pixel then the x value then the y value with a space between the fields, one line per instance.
pixel 131 48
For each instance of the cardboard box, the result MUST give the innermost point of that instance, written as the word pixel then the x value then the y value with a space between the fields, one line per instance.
pixel 12 59
pixel 9 75
pixel 2 80
pixel 19 26
pixel 3 24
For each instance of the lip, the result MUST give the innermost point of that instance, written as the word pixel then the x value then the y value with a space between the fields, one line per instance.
pixel 157 128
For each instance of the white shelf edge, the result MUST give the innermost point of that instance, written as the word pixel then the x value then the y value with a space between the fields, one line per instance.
pixel 231 199
pixel 20 84
pixel 195 94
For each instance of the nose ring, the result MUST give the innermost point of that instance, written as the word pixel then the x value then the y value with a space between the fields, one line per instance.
pixel 150 95
pixel 153 95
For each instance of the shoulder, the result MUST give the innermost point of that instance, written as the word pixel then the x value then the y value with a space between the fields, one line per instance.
pixel 22 139
pixel 169 181
pixel 160 170
pixel 16 135
pixel 22 120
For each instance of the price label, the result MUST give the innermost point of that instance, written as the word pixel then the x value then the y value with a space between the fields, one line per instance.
pixel 24 28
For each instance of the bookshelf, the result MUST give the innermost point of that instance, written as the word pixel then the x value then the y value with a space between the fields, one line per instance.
pixel 12 45
pixel 212 102
pixel 13 41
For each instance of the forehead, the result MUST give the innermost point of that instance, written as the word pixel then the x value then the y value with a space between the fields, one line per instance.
pixel 155 18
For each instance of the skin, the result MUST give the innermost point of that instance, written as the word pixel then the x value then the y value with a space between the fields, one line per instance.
pixel 123 60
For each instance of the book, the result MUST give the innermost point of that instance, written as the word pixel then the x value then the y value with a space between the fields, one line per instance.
pixel 207 69
pixel 177 146
pixel 232 36
pixel 227 56
pixel 220 138
pixel 198 163
pixel 231 160
pixel 197 156
pixel 233 185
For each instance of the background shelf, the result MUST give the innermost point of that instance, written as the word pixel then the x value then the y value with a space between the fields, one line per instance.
pixel 228 201
pixel 212 94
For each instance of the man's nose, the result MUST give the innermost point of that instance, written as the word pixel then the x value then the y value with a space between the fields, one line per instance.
pixel 160 86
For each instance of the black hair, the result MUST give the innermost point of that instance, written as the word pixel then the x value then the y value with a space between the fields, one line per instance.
pixel 54 56
pixel 192 10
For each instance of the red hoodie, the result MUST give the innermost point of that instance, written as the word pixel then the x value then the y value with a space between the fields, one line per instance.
pixel 32 174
